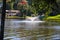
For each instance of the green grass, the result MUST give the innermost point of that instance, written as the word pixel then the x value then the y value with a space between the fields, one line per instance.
pixel 17 17
pixel 13 17
pixel 53 18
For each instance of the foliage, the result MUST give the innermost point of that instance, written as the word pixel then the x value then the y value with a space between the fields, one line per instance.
pixel 12 17
pixel 39 5
pixel 53 18
pixel 43 6
pixel 46 6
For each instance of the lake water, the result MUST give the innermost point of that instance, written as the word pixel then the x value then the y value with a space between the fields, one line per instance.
pixel 16 30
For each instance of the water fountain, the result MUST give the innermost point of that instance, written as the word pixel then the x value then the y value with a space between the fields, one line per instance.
pixel 31 19
pixel 28 23
pixel 34 19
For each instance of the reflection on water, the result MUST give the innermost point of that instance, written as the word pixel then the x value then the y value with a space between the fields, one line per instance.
pixel 30 31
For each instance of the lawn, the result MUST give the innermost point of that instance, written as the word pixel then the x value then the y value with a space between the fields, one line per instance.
pixel 53 18
pixel 13 17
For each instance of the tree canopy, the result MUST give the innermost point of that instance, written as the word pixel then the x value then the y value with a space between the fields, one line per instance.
pixel 45 5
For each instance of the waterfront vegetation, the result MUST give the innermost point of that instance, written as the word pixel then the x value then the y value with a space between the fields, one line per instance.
pixel 38 7
pixel 53 18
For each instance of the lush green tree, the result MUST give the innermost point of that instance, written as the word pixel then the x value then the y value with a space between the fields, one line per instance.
pixel 41 6
pixel 45 5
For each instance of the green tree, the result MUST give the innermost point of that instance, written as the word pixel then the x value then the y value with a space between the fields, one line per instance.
pixel 47 5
